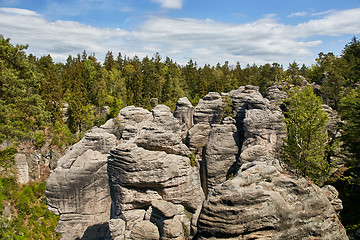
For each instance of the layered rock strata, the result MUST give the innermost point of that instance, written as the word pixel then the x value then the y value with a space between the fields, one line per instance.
pixel 78 188
pixel 159 164
pixel 150 171
pixel 264 203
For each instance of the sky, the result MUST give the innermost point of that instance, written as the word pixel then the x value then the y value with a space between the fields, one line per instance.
pixel 206 31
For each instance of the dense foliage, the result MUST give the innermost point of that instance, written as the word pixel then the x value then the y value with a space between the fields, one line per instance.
pixel 306 141
pixel 42 101
pixel 28 217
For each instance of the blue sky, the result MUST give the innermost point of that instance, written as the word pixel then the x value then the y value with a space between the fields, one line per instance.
pixel 257 31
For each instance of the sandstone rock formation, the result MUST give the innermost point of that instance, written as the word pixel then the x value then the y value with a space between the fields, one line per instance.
pixel 209 109
pixel 150 169
pixel 78 188
pixel 263 203
pixel 159 165
pixel 184 112
pixel 221 152
pixel 22 168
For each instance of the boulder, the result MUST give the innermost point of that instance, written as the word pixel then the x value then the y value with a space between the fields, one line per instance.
pixel 132 217
pixel 167 209
pixel 197 136
pixel 275 94
pixel 264 203
pixel 170 219
pixel 253 153
pixel 245 98
pixel 145 230
pixel 117 228
pixel 162 116
pixel 173 229
pixel 96 139
pixel 333 196
pixel 154 137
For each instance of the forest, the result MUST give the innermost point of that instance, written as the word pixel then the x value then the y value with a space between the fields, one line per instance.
pixel 46 102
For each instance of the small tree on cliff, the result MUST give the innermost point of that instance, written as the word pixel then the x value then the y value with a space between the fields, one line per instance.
pixel 304 147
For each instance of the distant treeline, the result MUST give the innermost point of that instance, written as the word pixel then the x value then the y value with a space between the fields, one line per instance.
pixel 34 90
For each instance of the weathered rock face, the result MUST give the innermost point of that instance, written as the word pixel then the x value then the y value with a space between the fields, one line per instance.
pixel 265 128
pixel 78 188
pixel 221 152
pixel 149 171
pixel 22 168
pixel 157 165
pixel 139 176
pixel 209 109
pixel 263 203
pixel 275 94
pixel 184 112
pixel 258 131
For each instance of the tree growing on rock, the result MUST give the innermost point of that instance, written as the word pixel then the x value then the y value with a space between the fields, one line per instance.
pixel 305 145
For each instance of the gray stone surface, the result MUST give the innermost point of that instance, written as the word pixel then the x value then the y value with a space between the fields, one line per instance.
pixel 154 189
pixel 78 188
pixel 169 175
pixel 22 168
pixel 145 230
pixel 264 203
pixel 333 196
pixel 117 228
pixel 275 94
pixel 265 128
pixel 167 209
pixel 184 112
pixel 221 153
pixel 209 109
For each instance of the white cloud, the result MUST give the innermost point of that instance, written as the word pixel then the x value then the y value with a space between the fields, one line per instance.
pixel 19 11
pixel 334 24
pixel 173 4
pixel 323 13
pixel 205 41
pixel 298 14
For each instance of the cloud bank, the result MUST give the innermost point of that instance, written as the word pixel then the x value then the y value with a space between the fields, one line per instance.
pixel 205 41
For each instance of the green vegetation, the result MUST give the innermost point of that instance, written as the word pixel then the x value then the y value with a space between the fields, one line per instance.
pixel 7 157
pixel 306 141
pixel 27 216
pixel 46 102
pixel 192 158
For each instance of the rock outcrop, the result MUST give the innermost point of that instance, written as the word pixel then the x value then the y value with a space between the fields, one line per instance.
pixel 184 112
pixel 221 152
pixel 158 166
pixel 78 189
pixel 263 203
pixel 139 176
pixel 150 170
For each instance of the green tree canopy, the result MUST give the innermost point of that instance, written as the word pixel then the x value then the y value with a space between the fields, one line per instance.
pixel 304 147
pixel 22 110
pixel 350 112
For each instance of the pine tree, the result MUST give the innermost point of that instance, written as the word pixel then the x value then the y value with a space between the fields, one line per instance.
pixel 22 110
